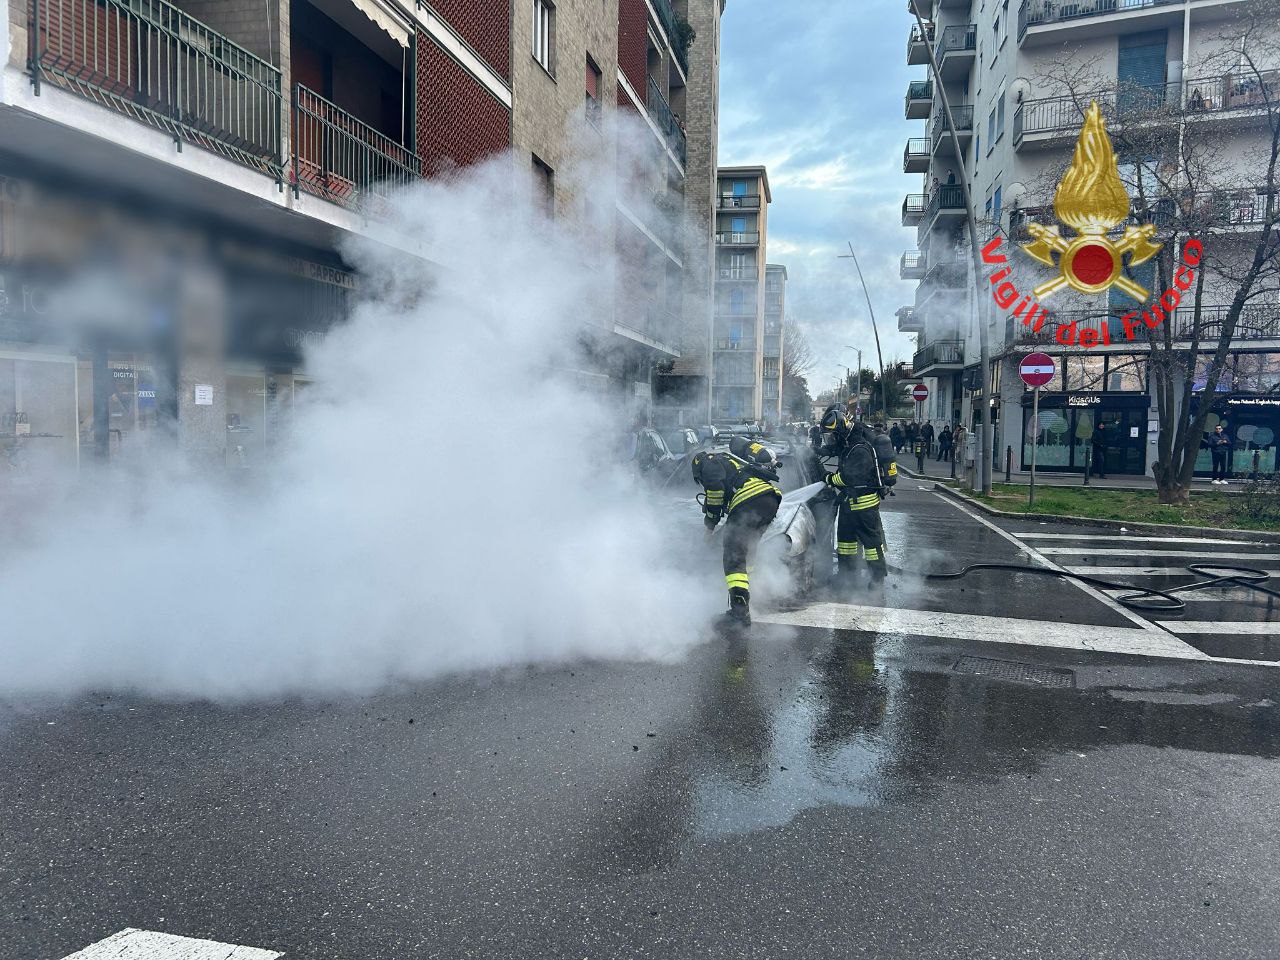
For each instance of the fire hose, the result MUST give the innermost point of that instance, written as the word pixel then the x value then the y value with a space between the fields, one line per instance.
pixel 1141 598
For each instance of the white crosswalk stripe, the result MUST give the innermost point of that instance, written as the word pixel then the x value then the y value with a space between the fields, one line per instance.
pixel 132 944
pixel 1126 538
pixel 1195 556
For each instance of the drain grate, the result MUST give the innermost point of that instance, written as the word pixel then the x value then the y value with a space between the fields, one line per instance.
pixel 1016 672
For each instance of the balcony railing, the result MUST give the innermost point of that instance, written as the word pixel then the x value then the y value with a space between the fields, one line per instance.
pixel 952 274
pixel 1036 12
pixel 939 352
pixel 735 343
pixel 738 273
pixel 912 264
pixel 964 122
pixel 747 201
pixel 732 237
pixel 666 120
pixel 1233 92
pixel 948 196
pixel 151 61
pixel 1047 115
pixel 668 17
pixel 340 158
pixel 958 38
pixel 1256 322
pixel 917 149
pixel 913 205
pixel 920 90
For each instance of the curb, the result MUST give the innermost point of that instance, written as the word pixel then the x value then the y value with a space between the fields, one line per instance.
pixel 1260 536
pixel 1057 486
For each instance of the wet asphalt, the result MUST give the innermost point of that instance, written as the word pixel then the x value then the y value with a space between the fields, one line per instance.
pixel 790 793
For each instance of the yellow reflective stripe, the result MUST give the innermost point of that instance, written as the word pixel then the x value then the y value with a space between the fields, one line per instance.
pixel 865 503
pixel 715 497
pixel 873 553
pixel 739 580
pixel 847 549
pixel 836 480
pixel 751 488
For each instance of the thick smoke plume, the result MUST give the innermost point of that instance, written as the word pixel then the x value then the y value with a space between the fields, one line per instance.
pixel 448 499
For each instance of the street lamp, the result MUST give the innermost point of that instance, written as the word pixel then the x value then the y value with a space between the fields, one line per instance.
pixel 884 397
pixel 857 389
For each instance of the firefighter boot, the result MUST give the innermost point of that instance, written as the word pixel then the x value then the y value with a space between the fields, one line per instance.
pixel 739 613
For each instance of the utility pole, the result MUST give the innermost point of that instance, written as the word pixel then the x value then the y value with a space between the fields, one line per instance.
pixel 884 396
pixel 857 389
pixel 971 220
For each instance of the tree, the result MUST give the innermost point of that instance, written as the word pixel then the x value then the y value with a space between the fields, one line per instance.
pixel 896 374
pixel 797 361
pixel 1207 204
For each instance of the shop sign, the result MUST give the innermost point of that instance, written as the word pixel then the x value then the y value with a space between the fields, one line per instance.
pixel 1254 402
pixel 1081 401
pixel 204 395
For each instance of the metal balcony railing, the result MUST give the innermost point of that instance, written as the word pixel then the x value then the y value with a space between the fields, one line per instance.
pixel 918 37
pixel 340 158
pixel 914 204
pixel 666 120
pixel 938 352
pixel 920 90
pixel 738 237
pixel 1257 322
pixel 912 261
pixel 738 273
pixel 964 122
pixel 1036 12
pixel 1233 91
pixel 151 61
pixel 958 38
pixel 747 201
pixel 949 196
pixel 1063 115
pixel 735 343
pixel 917 148
pixel 668 17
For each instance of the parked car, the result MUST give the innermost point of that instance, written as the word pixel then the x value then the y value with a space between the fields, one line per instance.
pixel 681 439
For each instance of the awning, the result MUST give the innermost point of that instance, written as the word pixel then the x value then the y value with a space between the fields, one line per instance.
pixel 383 14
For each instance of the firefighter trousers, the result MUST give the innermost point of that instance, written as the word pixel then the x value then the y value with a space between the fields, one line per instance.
pixel 859 530
pixel 742 532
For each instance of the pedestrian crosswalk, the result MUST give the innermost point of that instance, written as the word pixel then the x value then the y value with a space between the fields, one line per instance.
pixel 132 944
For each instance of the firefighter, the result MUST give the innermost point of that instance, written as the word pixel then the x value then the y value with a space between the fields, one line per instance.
pixel 867 470
pixel 742 486
pixel 835 430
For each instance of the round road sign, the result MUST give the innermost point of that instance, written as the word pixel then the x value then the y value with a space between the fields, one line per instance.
pixel 1036 369
pixel 920 393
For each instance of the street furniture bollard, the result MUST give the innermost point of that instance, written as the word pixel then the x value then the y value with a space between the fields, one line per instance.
pixel 1008 464
pixel 1086 466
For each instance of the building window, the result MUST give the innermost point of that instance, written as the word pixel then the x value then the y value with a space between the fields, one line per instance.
pixel 995 207
pixel 544 14
pixel 1000 116
pixel 544 187
pixel 991 129
pixel 739 188
pixel 593 92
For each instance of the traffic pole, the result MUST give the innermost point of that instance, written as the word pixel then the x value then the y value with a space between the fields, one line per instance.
pixel 1035 423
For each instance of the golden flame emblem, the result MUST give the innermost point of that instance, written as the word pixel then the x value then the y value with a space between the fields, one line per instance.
pixel 1092 200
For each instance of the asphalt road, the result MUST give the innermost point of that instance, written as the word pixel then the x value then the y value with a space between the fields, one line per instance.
pixel 801 792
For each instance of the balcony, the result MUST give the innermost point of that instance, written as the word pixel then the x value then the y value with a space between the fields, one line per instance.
pixel 748 201
pixel 939 356
pixel 340 158
pixel 1055 121
pixel 946 204
pixel 738 238
pixel 772 347
pixel 912 265
pixel 919 100
pixel 1232 96
pixel 1258 324
pixel 922 7
pixel 915 156
pixel 951 274
pixel 738 344
pixel 732 274
pixel 964 128
pixel 918 45
pixel 909 321
pixel 913 209
pixel 152 62
pixel 666 120
pixel 1043 20
pixel 956 49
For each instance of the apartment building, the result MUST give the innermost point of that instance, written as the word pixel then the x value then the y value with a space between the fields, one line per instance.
pixel 738 336
pixel 775 303
pixel 209 158
pixel 1018 74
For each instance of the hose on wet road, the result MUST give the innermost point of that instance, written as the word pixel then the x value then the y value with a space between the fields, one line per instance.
pixel 1141 598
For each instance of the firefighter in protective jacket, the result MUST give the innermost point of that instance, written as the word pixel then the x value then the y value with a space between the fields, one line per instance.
pixel 867 470
pixel 741 486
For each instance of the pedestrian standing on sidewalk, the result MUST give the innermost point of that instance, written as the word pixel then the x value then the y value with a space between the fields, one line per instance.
pixel 944 443
pixel 896 437
pixel 1099 444
pixel 1220 450
pixel 958 439
pixel 926 434
pixel 913 431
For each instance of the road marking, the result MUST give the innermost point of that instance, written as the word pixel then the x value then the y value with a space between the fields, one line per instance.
pixel 968 626
pixel 131 944
pixel 1124 537
pixel 1133 571
pixel 1209 595
pixel 1199 556
pixel 1045 561
pixel 1251 627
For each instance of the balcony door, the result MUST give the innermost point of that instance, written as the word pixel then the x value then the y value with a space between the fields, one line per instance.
pixel 1140 71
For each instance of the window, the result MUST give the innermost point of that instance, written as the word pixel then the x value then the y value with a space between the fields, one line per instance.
pixel 1000 115
pixel 593 92
pixel 543 27
pixel 739 188
pixel 544 187
pixel 995 206
pixel 996 34
pixel 991 129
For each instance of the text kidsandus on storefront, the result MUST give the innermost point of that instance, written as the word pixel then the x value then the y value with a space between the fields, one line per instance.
pixel 1092 201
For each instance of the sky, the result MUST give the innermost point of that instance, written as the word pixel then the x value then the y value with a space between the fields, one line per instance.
pixel 813 89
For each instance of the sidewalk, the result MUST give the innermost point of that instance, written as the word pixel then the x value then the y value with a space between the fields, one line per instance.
pixel 942 471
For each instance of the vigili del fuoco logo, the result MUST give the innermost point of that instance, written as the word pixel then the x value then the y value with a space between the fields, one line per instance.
pixel 1092 201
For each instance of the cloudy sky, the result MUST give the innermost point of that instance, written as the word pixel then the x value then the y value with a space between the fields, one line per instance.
pixel 813 89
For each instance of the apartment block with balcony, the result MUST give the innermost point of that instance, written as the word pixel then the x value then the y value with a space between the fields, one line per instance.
pixel 775 311
pixel 211 158
pixel 1020 72
pixel 738 345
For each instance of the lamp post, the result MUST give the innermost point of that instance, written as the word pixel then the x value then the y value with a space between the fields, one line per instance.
pixel 884 398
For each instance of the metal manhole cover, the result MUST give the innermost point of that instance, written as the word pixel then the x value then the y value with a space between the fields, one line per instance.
pixel 1016 672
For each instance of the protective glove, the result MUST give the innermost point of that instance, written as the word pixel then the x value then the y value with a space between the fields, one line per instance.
pixel 710 523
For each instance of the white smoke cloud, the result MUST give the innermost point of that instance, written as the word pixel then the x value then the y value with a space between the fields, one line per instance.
pixel 447 500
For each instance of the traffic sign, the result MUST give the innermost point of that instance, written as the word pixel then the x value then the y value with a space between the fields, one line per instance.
pixel 920 393
pixel 1036 369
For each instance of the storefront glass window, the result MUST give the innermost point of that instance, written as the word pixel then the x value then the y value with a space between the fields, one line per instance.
pixel 1084 372
pixel 1054 449
pixel 37 417
pixel 1082 436
pixel 1258 373
pixel 1126 372
pixel 246 420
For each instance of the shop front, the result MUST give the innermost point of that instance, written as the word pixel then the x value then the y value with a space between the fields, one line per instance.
pixel 1252 421
pixel 1075 428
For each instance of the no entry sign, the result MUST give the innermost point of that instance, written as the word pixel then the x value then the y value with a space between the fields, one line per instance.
pixel 1036 369
pixel 920 393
